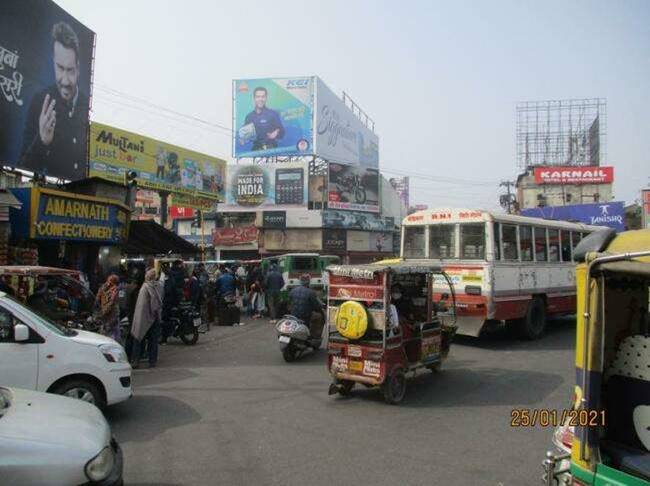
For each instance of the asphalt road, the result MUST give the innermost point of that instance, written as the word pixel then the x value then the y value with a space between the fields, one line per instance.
pixel 230 411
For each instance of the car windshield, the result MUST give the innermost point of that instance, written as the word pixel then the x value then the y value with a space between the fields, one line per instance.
pixel 12 304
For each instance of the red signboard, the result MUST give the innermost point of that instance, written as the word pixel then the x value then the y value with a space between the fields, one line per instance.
pixel 234 236
pixel 356 292
pixel 177 212
pixel 574 175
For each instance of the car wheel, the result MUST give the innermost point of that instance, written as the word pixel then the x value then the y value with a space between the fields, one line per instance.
pixel 394 387
pixel 83 390
pixel 534 324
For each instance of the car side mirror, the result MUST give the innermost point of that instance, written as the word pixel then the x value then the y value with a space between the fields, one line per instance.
pixel 21 333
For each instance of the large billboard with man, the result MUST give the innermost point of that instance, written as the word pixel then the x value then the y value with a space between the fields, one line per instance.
pixel 272 116
pixel 45 78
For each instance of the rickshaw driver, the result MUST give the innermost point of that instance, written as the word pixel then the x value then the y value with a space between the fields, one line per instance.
pixel 303 303
pixel 401 310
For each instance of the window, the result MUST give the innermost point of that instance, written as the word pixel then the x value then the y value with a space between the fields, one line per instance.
pixel 509 236
pixel 414 242
pixel 526 242
pixel 575 239
pixel 565 245
pixel 553 245
pixel 304 264
pixel 472 241
pixel 442 241
pixel 540 244
pixel 6 327
pixel 497 241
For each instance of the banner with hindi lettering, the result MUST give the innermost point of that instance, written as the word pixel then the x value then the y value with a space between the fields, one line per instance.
pixel 46 60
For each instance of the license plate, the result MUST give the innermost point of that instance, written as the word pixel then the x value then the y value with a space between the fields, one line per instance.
pixel 197 322
pixel 355 365
pixel 284 339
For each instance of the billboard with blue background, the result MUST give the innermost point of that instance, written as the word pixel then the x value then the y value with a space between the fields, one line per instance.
pixel 610 214
pixel 273 116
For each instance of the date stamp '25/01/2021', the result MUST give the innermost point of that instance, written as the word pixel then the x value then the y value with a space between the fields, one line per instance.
pixel 533 417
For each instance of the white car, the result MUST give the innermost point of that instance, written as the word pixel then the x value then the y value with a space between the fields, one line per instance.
pixel 76 446
pixel 36 354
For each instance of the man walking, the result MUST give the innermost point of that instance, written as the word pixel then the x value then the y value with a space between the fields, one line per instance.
pixel 273 284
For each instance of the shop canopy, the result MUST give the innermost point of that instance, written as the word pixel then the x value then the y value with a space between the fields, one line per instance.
pixel 150 238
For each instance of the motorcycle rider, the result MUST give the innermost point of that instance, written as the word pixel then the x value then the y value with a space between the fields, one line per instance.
pixel 225 285
pixel 304 303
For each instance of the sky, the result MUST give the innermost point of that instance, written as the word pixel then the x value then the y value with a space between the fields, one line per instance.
pixel 440 79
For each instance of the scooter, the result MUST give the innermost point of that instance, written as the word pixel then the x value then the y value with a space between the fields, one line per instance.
pixel 185 322
pixel 295 338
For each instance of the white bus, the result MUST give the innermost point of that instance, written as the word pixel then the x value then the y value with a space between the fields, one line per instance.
pixel 505 269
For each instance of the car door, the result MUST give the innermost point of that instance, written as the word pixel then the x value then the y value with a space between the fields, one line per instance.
pixel 18 360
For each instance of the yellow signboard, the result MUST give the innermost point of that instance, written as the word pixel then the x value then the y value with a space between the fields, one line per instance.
pixel 158 166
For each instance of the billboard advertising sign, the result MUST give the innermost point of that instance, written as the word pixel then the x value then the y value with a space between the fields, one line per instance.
pixel 266 186
pixel 610 214
pixel 159 166
pixel 355 220
pixel 274 219
pixel 401 186
pixel 178 212
pixel 273 116
pixel 353 188
pixel 334 240
pixel 240 235
pixel 366 241
pixel 304 218
pixel 340 136
pixel 293 239
pixel 45 78
pixel 574 175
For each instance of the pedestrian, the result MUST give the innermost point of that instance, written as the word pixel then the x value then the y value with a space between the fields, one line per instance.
pixel 107 301
pixel 172 296
pixel 147 319
pixel 273 284
pixel 225 288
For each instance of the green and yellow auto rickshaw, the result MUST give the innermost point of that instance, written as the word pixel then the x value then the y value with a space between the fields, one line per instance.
pixel 604 437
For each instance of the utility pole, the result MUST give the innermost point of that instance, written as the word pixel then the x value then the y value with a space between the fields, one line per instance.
pixel 507 200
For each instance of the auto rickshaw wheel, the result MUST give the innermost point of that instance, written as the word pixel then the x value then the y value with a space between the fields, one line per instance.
pixel 345 387
pixel 394 387
pixel 290 354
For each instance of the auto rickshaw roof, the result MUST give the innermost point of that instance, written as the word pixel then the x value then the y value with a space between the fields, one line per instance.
pixel 368 271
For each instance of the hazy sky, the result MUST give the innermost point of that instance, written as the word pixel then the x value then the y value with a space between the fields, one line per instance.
pixel 440 79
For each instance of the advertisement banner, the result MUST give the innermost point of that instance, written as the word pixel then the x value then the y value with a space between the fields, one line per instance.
pixel 355 220
pixel 158 165
pixel 234 236
pixel 251 187
pixel 574 175
pixel 610 214
pixel 273 116
pixel 290 240
pixel 353 188
pixel 334 240
pixel 304 218
pixel 48 214
pixel 194 202
pixel 366 241
pixel 401 186
pixel 45 83
pixel 178 212
pixel 340 136
pixel 274 219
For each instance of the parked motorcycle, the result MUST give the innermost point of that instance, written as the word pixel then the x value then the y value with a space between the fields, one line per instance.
pixel 295 338
pixel 353 186
pixel 185 321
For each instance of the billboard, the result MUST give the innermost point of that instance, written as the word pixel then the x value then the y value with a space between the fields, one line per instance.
pixel 610 214
pixel 272 116
pixel 158 165
pixel 353 188
pixel 293 239
pixel 334 240
pixel 373 242
pixel 402 187
pixel 240 235
pixel 340 136
pixel 574 175
pixel 274 219
pixel 250 187
pixel 355 220
pixel 46 59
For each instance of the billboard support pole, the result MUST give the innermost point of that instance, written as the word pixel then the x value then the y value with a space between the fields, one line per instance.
pixel 202 235
pixel 163 207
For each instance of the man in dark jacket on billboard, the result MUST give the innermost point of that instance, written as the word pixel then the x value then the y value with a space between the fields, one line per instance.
pixel 267 122
pixel 56 130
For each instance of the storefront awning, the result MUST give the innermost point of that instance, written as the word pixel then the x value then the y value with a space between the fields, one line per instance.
pixel 150 238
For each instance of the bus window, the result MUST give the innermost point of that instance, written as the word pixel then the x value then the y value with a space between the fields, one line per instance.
pixel 442 239
pixel 497 242
pixel 305 264
pixel 575 239
pixel 414 242
pixel 526 241
pixel 509 236
pixel 540 244
pixel 472 241
pixel 553 245
pixel 565 242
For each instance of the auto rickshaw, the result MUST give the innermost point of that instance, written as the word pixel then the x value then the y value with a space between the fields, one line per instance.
pixel 604 436
pixel 373 343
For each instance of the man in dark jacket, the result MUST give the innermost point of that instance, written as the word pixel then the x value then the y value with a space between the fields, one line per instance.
pixel 273 285
pixel 304 303
pixel 172 296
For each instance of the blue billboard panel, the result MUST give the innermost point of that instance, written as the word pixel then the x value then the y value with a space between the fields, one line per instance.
pixel 273 116
pixel 610 214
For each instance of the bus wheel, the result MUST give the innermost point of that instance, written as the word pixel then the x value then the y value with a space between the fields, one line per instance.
pixel 534 324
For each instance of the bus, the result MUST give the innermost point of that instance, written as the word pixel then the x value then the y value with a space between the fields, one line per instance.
pixel 508 269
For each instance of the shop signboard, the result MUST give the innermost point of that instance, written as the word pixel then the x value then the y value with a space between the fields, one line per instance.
pixel 340 135
pixel 45 82
pixel 356 220
pixel 49 214
pixel 273 116
pixel 158 165
pixel 293 240
pixel 179 212
pixel 610 214
pixel 353 188
pixel 274 219
pixel 365 241
pixel 239 235
pixel 574 175
pixel 194 202
pixel 251 187
pixel 304 218
pixel 334 240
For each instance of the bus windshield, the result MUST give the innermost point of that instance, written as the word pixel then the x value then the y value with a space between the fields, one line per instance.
pixel 446 241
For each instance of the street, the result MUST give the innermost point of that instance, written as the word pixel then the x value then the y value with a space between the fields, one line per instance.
pixel 230 411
